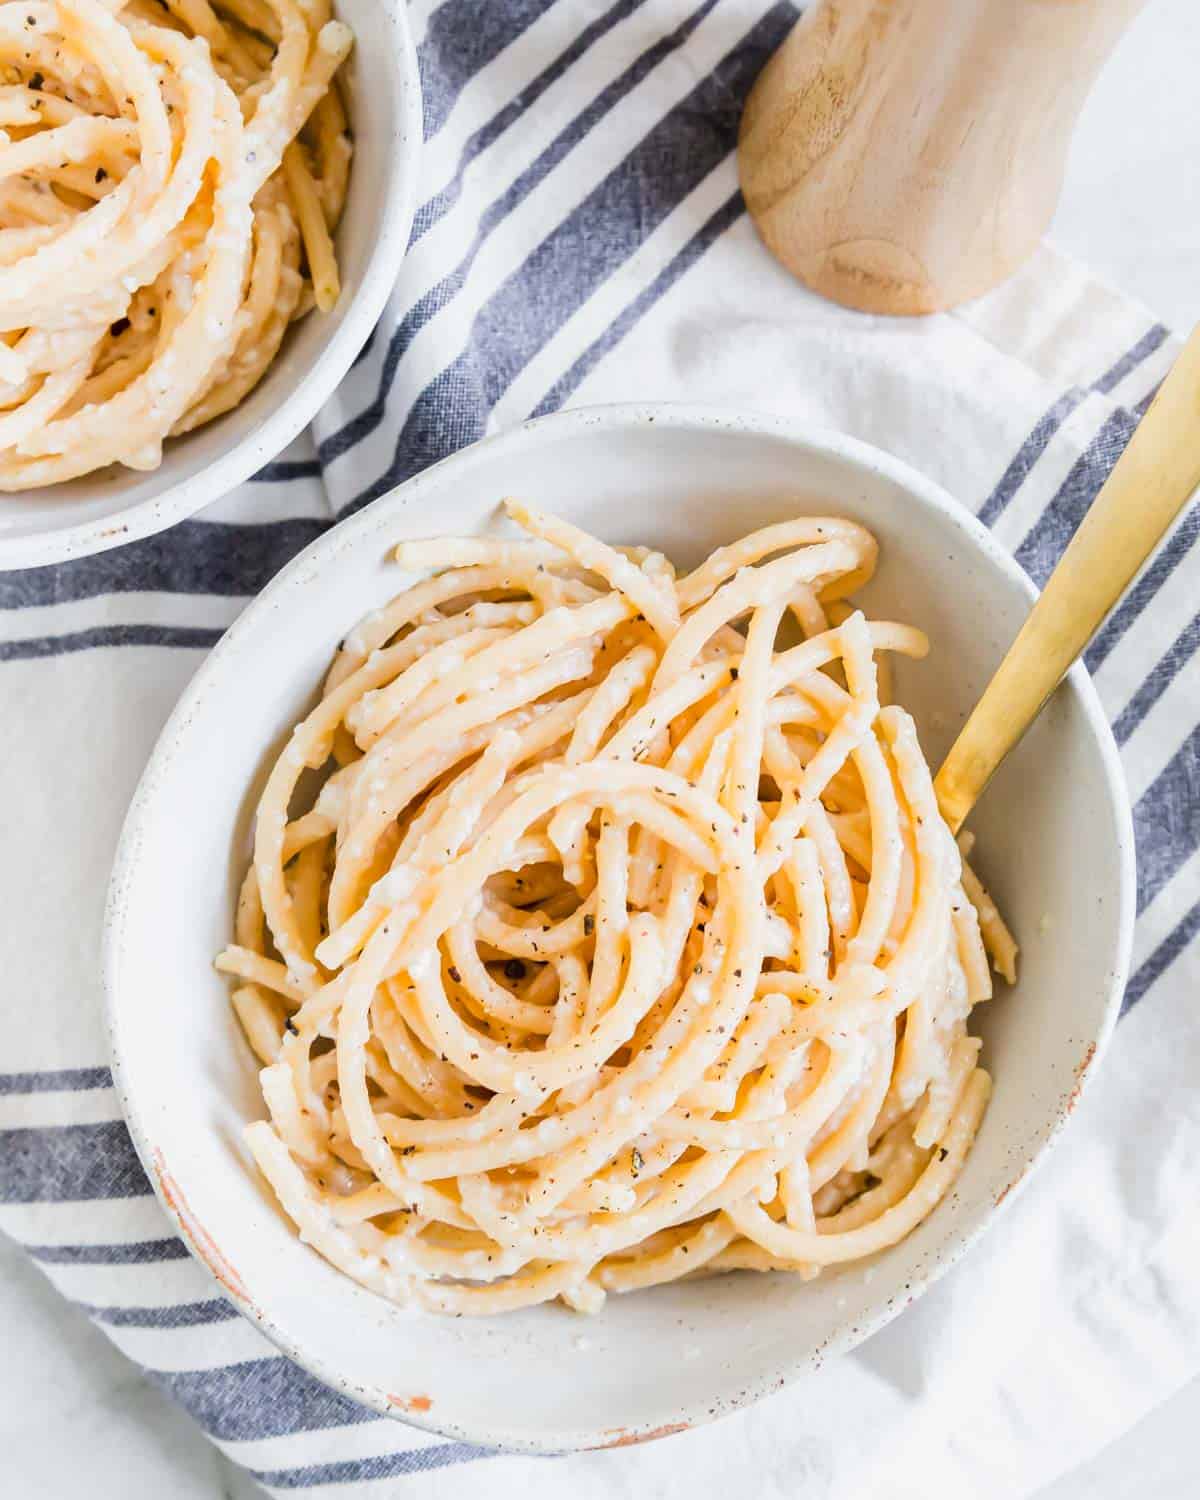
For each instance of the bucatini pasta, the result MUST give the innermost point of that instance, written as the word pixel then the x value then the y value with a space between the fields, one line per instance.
pixel 619 943
pixel 170 175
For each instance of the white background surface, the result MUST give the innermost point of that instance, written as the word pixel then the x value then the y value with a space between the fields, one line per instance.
pixel 77 1419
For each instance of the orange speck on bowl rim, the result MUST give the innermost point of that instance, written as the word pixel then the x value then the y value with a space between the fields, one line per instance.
pixel 411 1403
pixel 626 1439
pixel 202 1242
pixel 1080 1071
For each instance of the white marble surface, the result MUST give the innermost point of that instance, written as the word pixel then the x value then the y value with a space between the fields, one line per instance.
pixel 76 1418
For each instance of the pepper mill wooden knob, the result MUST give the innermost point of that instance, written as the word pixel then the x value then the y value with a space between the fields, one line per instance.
pixel 900 156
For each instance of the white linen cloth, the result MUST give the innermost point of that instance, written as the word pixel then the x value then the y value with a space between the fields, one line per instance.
pixel 580 241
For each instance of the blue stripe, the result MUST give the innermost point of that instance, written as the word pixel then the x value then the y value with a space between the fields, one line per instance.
pixel 1141 351
pixel 56 1081
pixel 462 38
pixel 1027 455
pixel 574 260
pixel 482 138
pixel 371 415
pixel 1162 958
pixel 260 1398
pixel 1168 558
pixel 70 1163
pixel 134 1253
pixel 715 226
pixel 1160 679
pixel 195 557
pixel 176 1315
pixel 359 1470
pixel 178 636
pixel 286 469
pixel 1166 820
pixel 1038 441
pixel 1054 528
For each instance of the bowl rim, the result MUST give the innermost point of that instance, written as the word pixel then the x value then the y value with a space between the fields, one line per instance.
pixel 686 416
pixel 270 437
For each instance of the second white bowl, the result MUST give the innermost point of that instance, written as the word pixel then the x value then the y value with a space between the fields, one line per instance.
pixel 118 505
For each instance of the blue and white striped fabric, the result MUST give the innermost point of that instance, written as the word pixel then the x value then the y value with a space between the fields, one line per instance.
pixel 581 239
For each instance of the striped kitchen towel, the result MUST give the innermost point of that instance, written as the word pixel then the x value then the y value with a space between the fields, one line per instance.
pixel 581 239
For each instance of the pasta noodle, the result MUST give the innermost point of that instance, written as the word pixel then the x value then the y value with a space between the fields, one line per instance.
pixel 622 939
pixel 170 173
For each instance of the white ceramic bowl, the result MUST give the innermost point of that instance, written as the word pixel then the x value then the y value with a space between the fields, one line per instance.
pixel 1055 840
pixel 118 505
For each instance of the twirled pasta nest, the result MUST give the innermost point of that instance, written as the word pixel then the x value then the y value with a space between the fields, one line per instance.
pixel 618 945
pixel 161 223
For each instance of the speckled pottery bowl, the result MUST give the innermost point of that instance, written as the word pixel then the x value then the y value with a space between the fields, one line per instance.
pixel 118 505
pixel 1055 842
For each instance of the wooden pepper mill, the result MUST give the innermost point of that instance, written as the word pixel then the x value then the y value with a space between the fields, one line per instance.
pixel 900 156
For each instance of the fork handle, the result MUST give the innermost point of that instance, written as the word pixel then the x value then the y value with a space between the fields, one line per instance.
pixel 1153 478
